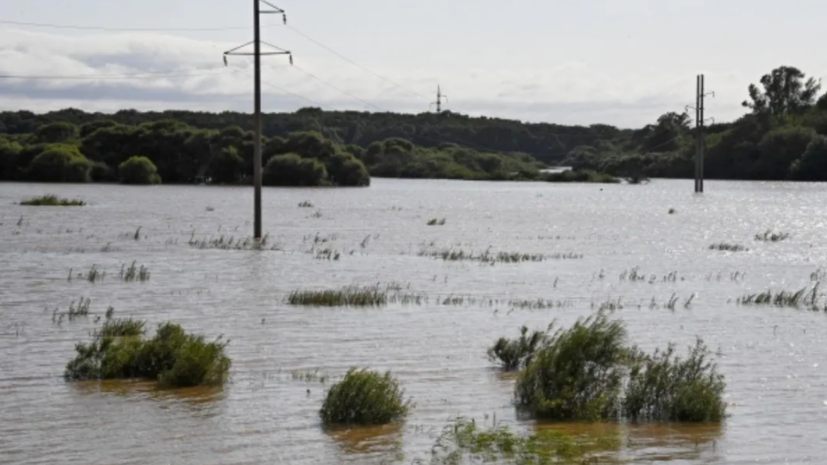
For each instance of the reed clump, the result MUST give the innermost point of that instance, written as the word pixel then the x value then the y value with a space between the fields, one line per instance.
pixel 514 354
pixel 351 296
pixel 365 397
pixel 728 247
pixel 589 373
pixel 134 273
pixel 305 204
pixel 491 258
pixel 464 441
pixel 52 201
pixel 232 243
pixel 436 222
pixel 172 357
pixel 781 298
pixel 771 236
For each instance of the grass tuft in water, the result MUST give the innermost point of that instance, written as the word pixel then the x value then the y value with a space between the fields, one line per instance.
pixel 770 236
pixel 52 201
pixel 781 298
pixel 134 273
pixel 436 222
pixel 231 243
pixel 664 387
pixel 352 296
pixel 365 397
pixel 305 204
pixel 463 441
pixel 514 354
pixel 491 258
pixel 309 376
pixel 728 247
pixel 172 357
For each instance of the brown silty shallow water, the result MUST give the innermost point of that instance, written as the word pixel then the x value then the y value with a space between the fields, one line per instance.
pixel 773 358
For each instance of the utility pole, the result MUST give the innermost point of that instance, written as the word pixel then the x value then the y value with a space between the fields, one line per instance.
pixel 439 97
pixel 700 140
pixel 257 54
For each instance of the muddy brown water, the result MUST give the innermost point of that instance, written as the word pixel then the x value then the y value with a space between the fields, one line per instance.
pixel 773 358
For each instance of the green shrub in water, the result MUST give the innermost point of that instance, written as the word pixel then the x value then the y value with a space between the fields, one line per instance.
pixel 662 387
pixel 588 373
pixel 514 354
pixel 172 357
pixel 365 397
pixel 577 374
pixel 52 201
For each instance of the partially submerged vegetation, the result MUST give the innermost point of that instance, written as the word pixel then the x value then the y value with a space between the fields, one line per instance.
pixel 134 273
pixel 491 258
pixel 351 296
pixel 783 298
pixel 436 222
pixel 515 354
pixel 771 236
pixel 172 357
pixel 365 397
pixel 52 201
pixel 588 373
pixel 728 247
pixel 223 242
pixel 463 441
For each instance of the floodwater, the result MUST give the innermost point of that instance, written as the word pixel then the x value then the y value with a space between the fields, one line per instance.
pixel 774 359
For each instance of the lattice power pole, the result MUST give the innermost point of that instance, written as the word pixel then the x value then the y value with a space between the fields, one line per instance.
pixel 257 54
pixel 439 97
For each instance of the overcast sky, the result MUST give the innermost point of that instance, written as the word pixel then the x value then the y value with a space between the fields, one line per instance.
pixel 620 62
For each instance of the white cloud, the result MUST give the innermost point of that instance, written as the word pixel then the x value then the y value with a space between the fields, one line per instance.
pixel 573 93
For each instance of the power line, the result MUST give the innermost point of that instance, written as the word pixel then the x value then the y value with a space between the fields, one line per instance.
pixel 240 71
pixel 354 63
pixel 106 77
pixel 338 89
pixel 127 29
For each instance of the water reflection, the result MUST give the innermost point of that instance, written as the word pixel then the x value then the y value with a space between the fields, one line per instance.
pixel 195 396
pixel 650 442
pixel 382 443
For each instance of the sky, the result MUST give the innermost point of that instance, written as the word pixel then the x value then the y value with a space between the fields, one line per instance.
pixel 618 62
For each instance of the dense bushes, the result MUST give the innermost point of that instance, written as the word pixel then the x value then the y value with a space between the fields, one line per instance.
pixel 60 164
pixel 292 170
pixel 172 357
pixel 138 170
pixel 589 373
pixel 365 397
pixel 514 354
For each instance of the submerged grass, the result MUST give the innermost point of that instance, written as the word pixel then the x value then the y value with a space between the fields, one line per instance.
pixel 770 236
pixel 782 298
pixel 491 258
pixel 351 296
pixel 134 273
pixel 172 357
pixel 728 247
pixel 52 201
pixel 463 441
pixel 232 243
pixel 365 397
pixel 436 222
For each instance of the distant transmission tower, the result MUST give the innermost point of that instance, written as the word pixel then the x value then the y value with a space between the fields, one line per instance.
pixel 257 53
pixel 439 97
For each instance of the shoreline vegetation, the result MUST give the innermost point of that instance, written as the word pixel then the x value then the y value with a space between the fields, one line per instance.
pixel 783 137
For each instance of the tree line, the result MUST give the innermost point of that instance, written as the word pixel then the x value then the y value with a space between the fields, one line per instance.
pixel 783 136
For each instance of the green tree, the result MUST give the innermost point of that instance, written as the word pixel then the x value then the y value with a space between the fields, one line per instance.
pixel 785 92
pixel 89 128
pixel 778 149
pixel 812 166
pixel 292 170
pixel 138 170
pixel 226 166
pixel 55 133
pixel 345 170
pixel 60 164
pixel 9 152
